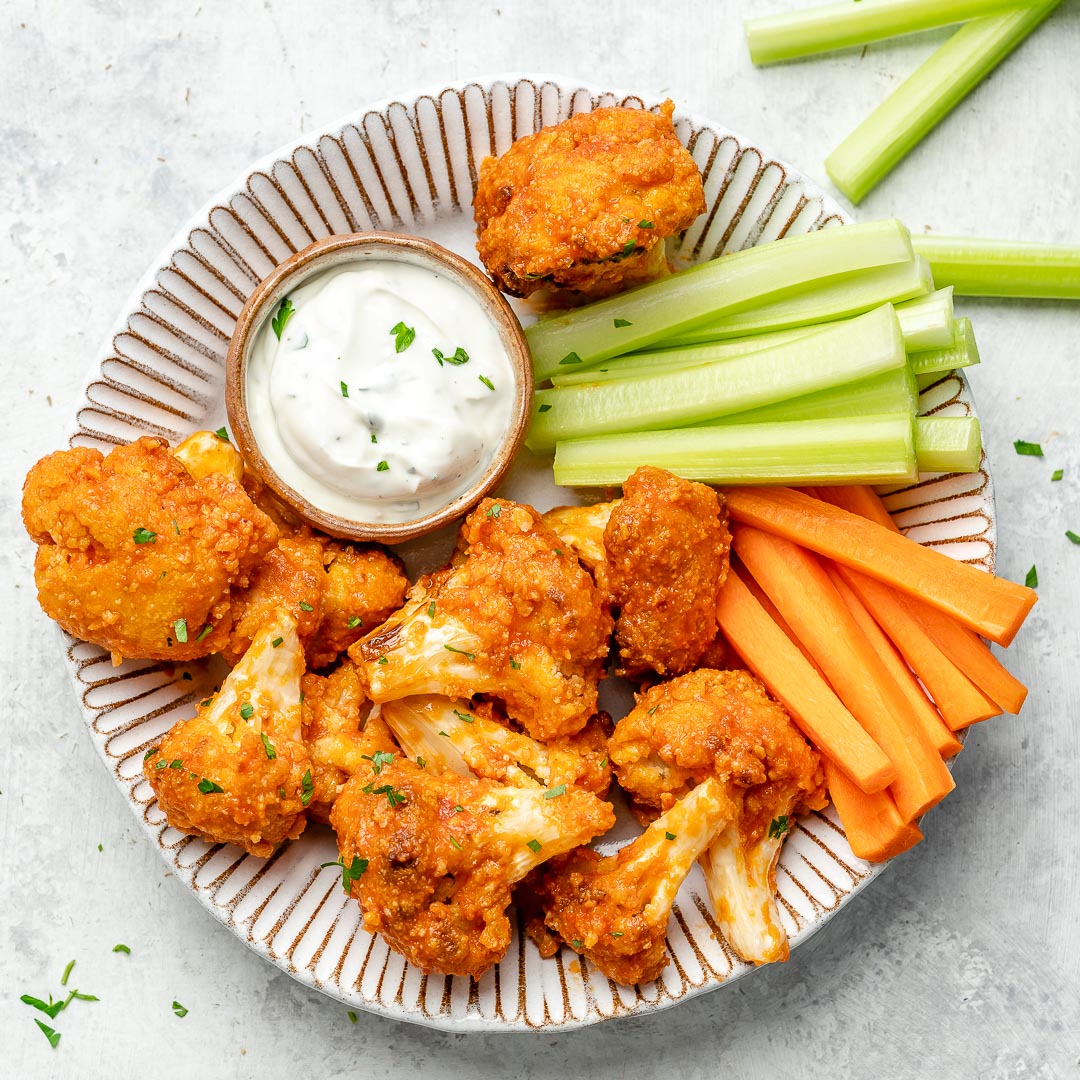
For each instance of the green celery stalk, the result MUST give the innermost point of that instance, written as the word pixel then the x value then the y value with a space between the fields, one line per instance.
pixel 965 353
pixel 722 286
pixel 928 323
pixel 890 392
pixel 839 26
pixel 928 95
pixel 854 450
pixel 836 298
pixel 1003 268
pixel 844 352
pixel 948 444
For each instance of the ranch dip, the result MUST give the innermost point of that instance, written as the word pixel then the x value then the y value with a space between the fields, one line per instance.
pixel 379 390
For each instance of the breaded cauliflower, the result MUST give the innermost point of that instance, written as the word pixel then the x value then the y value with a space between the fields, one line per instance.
pixel 586 204
pixel 660 553
pixel 515 616
pixel 722 725
pixel 135 554
pixel 439 854
pixel 238 772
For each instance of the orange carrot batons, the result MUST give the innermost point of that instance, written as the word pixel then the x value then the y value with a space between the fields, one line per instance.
pixel 875 830
pixel 808 601
pixel 819 714
pixel 992 606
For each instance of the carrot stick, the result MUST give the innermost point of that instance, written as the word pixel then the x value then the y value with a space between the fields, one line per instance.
pixel 817 711
pixel 992 606
pixel 965 649
pixel 945 742
pixel 800 588
pixel 875 830
pixel 957 698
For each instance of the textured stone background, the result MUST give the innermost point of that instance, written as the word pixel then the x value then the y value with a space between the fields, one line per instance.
pixel 117 120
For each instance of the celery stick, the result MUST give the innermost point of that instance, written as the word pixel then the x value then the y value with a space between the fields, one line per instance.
pixel 838 26
pixel 928 323
pixel 855 450
pixel 837 298
pixel 725 285
pixel 890 392
pixel 1003 268
pixel 947 444
pixel 844 352
pixel 965 353
pixel 926 96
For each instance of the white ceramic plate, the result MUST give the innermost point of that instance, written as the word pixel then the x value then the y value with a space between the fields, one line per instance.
pixel 410 165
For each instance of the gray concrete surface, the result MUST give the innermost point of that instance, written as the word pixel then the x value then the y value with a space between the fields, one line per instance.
pixel 117 120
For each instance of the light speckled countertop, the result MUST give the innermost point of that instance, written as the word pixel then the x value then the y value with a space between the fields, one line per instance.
pixel 117 120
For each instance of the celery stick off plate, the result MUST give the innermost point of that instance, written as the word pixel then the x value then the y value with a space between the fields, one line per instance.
pixel 408 165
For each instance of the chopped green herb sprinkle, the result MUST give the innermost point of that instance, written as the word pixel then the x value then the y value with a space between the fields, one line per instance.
pixel 644 224
pixel 305 606
pixel 52 1036
pixel 247 710
pixel 458 809
pixel 576 943
pixel 421 763
pixel 354 622
pixel 570 358
pixel 351 1015
pixel 222 434
pixel 52 1009
pixel 622 322
pixel 459 357
pixel 515 664
pixel 208 787
pixel 374 438
pixel 654 708
pixel 281 793
pixel 465 717
pixel 284 314
pixel 486 381
pixel 176 763
pixel 544 408
pixel 378 760
pixel 1072 536
pixel 393 796
pixel 1058 474
pixel 268 746
pixel 779 827
pixel 603 764
pixel 180 626
pixel 555 792
pixel 204 631
pixel 179 1009
pixel 382 660
pixel 122 948
pixel 349 873
pixel 144 536
pixel 534 845
pixel 161 764
pixel 276 642
pixel 616 933
pixel 344 388
pixel 431 610
pixel 462 652
pixel 1032 579
pixel 1027 449
pixel 151 752
pixel 176 526
pixel 457 843
pixel 669 836
pixel 307 789
pixel 404 336
pixel 494 510
pixel 383 466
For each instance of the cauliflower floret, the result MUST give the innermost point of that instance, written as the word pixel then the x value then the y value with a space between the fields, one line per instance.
pixel 433 858
pixel 615 909
pixel 660 555
pixel 515 616
pixel 135 554
pixel 454 736
pixel 238 772
pixel 722 725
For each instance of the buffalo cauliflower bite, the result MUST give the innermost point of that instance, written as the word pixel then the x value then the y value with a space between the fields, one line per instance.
pixel 586 204
pixel 614 909
pixel 333 590
pixel 660 553
pixel 721 725
pixel 515 616
pixel 137 555
pixel 238 772
pixel 440 854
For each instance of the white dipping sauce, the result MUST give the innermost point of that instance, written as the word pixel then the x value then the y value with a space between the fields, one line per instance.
pixel 364 431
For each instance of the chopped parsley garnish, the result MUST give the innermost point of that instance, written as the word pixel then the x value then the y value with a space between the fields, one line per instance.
pixel 180 626
pixel 307 789
pixel 534 845
pixel 555 792
pixel 176 526
pixel 404 336
pixel 654 708
pixel 644 224
pixel 382 660
pixel 179 1009
pixel 305 606
pixel 393 796
pixel 421 763
pixel 161 764
pixel 51 1010
pixel 1032 579
pixel 603 764
pixel 669 836
pixel 151 752
pixel 1072 536
pixel 464 717
pixel 616 933
pixel 576 943
pixel 176 763
pixel 544 408
pixel 486 381
pixel 570 358
pixel 247 710
pixel 276 642
pixel 378 760
pixel 285 312
pixel 779 827
pixel 268 746
pixel 1027 449
pixel 204 631
pixel 458 809
pixel 622 322
pixel 1058 474
pixel 121 948
pixel 515 664
pixel 457 843
pixel 52 1036
pixel 344 388
pixel 494 510
pixel 459 357
pixel 352 1016
pixel 144 536
pixel 431 610
pixel 208 787
pixel 382 466
pixel 349 873
pixel 281 793
pixel 558 551
pixel 374 438
pixel 222 434
pixel 462 652
pixel 354 622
